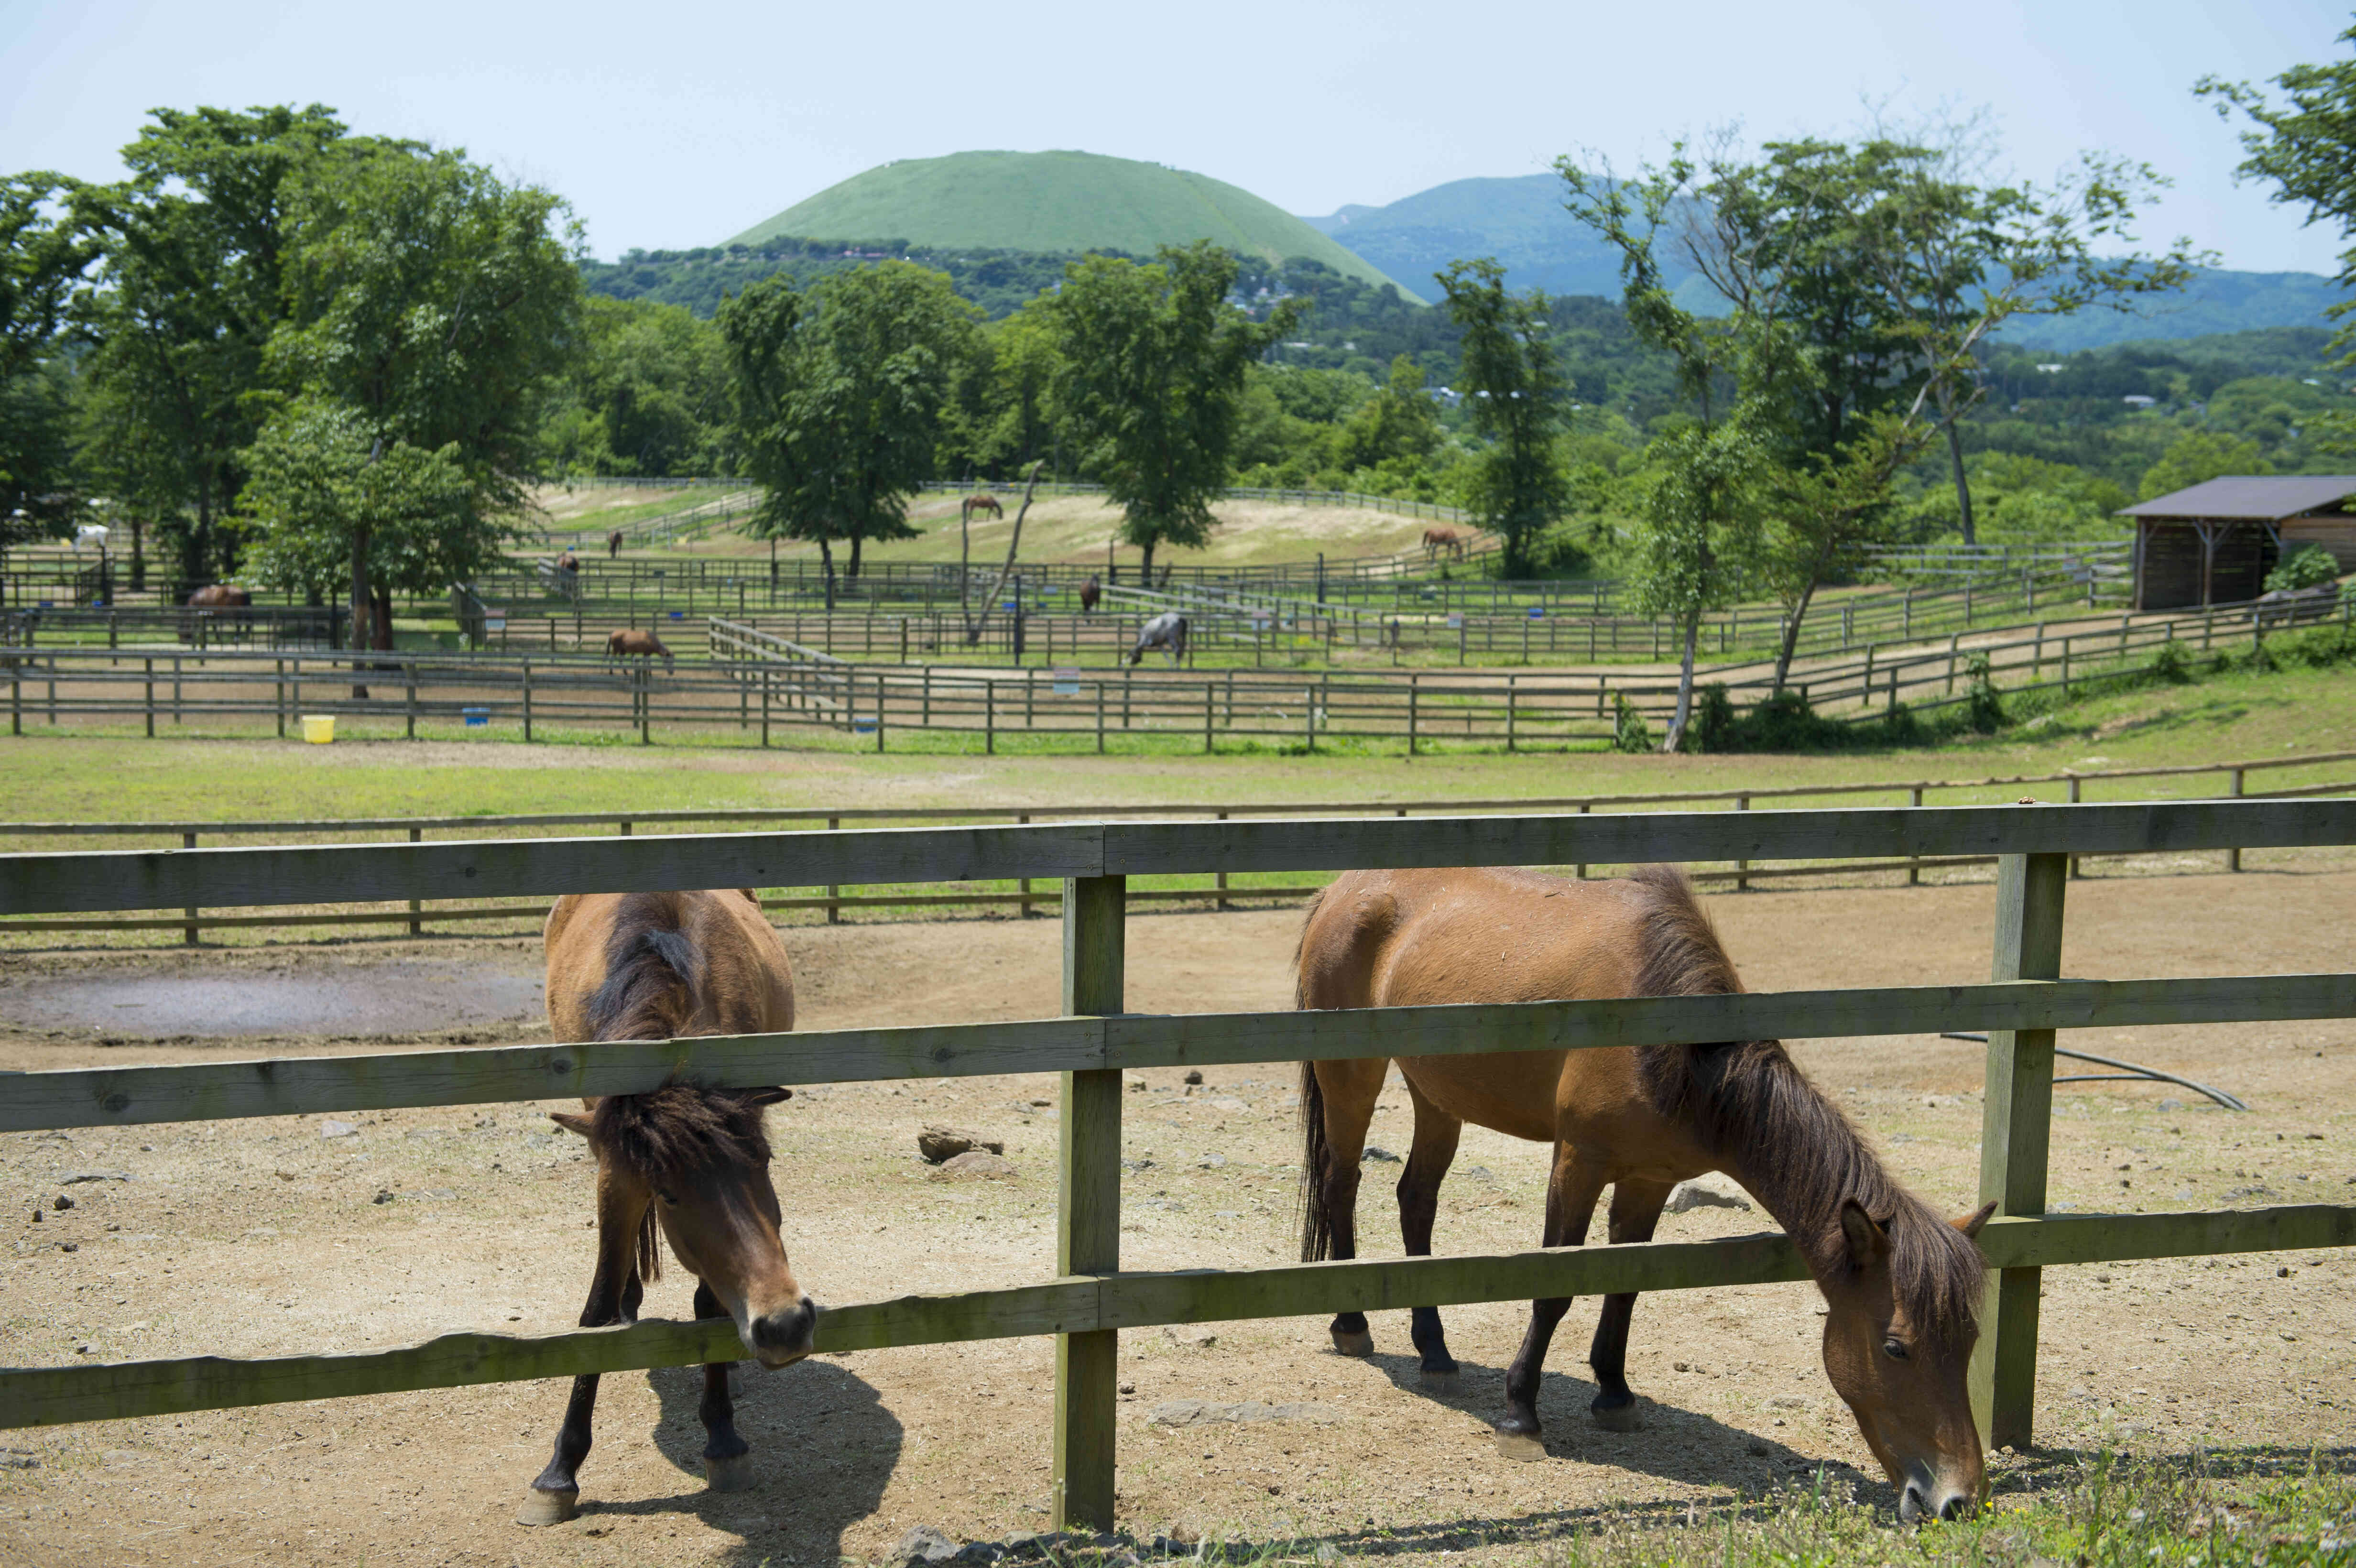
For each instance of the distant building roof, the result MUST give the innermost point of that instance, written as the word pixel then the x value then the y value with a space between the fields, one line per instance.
pixel 2251 498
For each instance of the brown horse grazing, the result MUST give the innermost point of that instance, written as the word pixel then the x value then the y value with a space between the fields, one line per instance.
pixel 974 506
pixel 612 544
pixel 221 596
pixel 1436 540
pixel 1901 1285
pixel 632 641
pixel 1090 593
pixel 689 1162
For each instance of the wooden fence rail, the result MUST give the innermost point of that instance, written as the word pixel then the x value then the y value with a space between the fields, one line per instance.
pixel 1093 1299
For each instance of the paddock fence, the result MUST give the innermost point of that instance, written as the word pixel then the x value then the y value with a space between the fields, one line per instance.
pixel 755 682
pixel 1091 1298
pixel 1217 890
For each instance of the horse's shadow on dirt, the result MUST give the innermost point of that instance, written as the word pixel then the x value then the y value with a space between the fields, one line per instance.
pixel 1673 1444
pixel 823 1448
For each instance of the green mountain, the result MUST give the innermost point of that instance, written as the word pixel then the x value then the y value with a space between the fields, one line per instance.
pixel 1051 202
pixel 1520 220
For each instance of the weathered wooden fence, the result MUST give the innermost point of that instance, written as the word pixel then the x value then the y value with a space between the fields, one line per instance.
pixel 2234 781
pixel 1092 1298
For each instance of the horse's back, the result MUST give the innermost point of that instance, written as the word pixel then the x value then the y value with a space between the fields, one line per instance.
pixel 743 982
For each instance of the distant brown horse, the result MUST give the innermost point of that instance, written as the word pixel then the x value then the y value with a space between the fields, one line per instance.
pixel 974 506
pixel 632 641
pixel 221 596
pixel 613 544
pixel 567 561
pixel 680 1163
pixel 1449 541
pixel 1091 592
pixel 1901 1285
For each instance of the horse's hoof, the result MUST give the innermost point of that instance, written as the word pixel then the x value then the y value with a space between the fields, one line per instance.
pixel 734 1474
pixel 1523 1445
pixel 1361 1343
pixel 548 1507
pixel 1437 1381
pixel 1618 1417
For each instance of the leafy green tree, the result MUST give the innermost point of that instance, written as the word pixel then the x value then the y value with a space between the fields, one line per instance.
pixel 2198 455
pixel 41 263
pixel 188 292
pixel 1150 375
pixel 1000 412
pixel 329 492
pixel 649 395
pixel 838 397
pixel 2305 145
pixel 1514 388
pixel 440 305
pixel 1397 424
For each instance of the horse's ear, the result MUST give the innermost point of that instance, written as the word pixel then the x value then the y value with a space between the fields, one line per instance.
pixel 1971 1224
pixel 1868 1242
pixel 767 1097
pixel 571 1120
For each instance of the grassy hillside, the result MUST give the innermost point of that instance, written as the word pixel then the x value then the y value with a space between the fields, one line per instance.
pixel 1053 201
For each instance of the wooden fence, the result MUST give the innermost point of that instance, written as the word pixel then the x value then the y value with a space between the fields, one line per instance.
pixel 1220 892
pixel 1093 1298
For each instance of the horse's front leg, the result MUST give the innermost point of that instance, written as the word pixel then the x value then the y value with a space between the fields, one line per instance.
pixel 614 1292
pixel 1572 1191
pixel 1346 1093
pixel 1635 1210
pixel 725 1466
pixel 1434 1150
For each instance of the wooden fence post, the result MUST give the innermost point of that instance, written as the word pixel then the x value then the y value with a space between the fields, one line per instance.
pixel 2015 1124
pixel 278 686
pixel 1741 883
pixel 188 932
pixel 526 701
pixel 1412 692
pixel 409 707
pixel 150 701
pixel 1100 712
pixel 1209 708
pixel 2075 869
pixel 989 716
pixel 1088 1217
pixel 833 890
pixel 416 924
pixel 2234 855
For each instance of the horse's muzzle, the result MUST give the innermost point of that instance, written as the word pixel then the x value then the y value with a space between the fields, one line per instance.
pixel 783 1337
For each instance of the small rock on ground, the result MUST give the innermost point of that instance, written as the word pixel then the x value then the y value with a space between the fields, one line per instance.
pixel 1193 1334
pixel 1711 1191
pixel 937 1143
pixel 976 1163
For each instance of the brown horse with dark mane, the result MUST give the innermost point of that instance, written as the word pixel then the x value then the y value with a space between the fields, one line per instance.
pixel 975 505
pixel 1439 540
pixel 681 1163
pixel 1901 1285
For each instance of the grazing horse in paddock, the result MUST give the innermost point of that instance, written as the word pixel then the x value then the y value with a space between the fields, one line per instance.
pixel 1436 540
pixel 974 506
pixel 681 1163
pixel 1091 592
pixel 567 561
pixel 1901 1285
pixel 1167 631
pixel 221 596
pixel 632 641
pixel 613 544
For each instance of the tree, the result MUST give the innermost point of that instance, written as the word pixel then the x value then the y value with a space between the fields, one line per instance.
pixel 839 394
pixel 1514 390
pixel 1699 542
pixel 1150 375
pixel 189 290
pixel 1397 424
pixel 327 492
pixel 440 305
pixel 2307 147
pixel 41 263
pixel 2198 455
pixel 649 395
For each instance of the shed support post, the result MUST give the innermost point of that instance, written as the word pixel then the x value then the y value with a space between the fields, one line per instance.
pixel 2016 1125
pixel 1088 1218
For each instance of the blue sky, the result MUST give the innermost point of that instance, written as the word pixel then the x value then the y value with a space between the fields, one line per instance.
pixel 678 125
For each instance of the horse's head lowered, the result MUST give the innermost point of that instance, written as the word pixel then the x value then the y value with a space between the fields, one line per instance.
pixel 1898 1348
pixel 695 1162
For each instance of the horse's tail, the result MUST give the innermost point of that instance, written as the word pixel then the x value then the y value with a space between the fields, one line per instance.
pixel 1316 1217
pixel 651 966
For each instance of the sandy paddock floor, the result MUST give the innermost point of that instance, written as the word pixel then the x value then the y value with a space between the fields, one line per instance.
pixel 261 1237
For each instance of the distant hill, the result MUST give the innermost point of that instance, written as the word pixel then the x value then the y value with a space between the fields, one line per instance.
pixel 1051 202
pixel 1521 222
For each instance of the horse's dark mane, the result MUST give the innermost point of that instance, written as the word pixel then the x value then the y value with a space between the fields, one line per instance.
pixel 1750 1105
pixel 662 1135
pixel 650 992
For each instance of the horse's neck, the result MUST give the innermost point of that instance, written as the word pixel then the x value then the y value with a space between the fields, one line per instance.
pixel 1801 1173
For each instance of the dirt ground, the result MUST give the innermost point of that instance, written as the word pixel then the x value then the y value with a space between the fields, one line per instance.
pixel 267 1237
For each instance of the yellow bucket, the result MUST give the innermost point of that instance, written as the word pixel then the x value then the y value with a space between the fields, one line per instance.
pixel 318 728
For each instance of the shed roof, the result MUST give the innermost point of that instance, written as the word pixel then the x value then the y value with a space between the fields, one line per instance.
pixel 2268 498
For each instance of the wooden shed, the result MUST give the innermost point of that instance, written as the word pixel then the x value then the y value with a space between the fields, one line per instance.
pixel 2214 543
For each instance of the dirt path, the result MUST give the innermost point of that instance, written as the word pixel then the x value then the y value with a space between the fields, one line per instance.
pixel 267 1237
